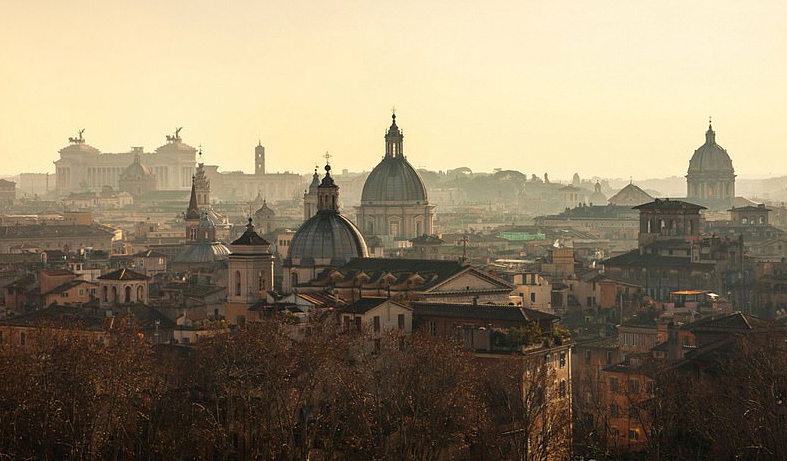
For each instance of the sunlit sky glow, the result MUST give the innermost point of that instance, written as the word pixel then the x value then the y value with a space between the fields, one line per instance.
pixel 604 88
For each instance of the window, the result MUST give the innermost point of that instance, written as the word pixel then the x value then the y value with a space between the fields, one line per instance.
pixel 357 324
pixel 347 323
pixel 613 410
pixel 64 294
pixel 562 388
pixel 1 337
pixel 400 319
pixel 22 338
pixel 609 357
pixel 633 386
pixel 433 328
pixel 613 383
pixel 376 323
pixel 237 283
pixel 587 355
pixel 532 297
pixel 633 434
pixel 562 360
pixel 81 292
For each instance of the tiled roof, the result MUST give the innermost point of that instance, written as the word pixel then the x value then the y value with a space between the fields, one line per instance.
pixel 481 311
pixel 667 204
pixel 42 231
pixel 149 254
pixel 750 208
pixel 124 274
pixel 635 259
pixel 364 305
pixel 59 315
pixel 56 272
pixel 427 240
pixel 192 290
pixel 736 322
pixel 67 286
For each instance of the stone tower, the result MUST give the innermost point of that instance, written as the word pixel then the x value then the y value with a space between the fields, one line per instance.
pixel 259 158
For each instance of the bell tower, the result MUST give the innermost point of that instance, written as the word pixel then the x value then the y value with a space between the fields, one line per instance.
pixel 259 158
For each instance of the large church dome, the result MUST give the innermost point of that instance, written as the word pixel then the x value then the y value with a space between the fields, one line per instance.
pixel 394 179
pixel 327 236
pixel 710 157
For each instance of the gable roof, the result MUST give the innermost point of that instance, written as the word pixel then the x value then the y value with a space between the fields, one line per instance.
pixel 149 254
pixel 364 305
pixel 123 274
pixel 667 204
pixel 482 311
pixel 67 286
pixel 434 273
pixel 60 316
pixel 732 323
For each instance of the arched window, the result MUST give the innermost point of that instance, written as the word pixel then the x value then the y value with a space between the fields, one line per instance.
pixel 262 280
pixel 140 294
pixel 105 295
pixel 237 283
pixel 294 279
pixel 114 295
pixel 127 296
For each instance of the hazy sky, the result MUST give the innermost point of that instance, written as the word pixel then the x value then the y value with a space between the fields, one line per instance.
pixel 603 88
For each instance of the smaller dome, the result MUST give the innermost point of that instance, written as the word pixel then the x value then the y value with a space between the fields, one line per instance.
pixel 203 252
pixel 264 211
pixel 597 197
pixel 328 236
pixel 137 170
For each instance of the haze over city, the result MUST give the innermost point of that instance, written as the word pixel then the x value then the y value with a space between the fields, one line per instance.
pixel 558 87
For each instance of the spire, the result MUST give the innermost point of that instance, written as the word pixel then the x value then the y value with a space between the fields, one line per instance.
pixel 710 135
pixel 393 140
pixel 193 210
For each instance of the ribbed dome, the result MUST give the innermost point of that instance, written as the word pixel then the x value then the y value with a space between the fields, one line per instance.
pixel 203 252
pixel 327 235
pixel 137 170
pixel 394 179
pixel 264 211
pixel 710 157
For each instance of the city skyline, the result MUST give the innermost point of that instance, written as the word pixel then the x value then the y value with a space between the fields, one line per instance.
pixel 557 88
